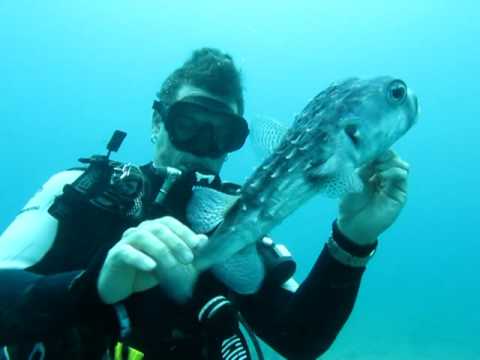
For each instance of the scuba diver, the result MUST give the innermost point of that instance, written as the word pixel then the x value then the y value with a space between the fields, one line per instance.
pixel 92 265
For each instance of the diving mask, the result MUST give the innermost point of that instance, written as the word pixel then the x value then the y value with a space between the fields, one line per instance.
pixel 203 126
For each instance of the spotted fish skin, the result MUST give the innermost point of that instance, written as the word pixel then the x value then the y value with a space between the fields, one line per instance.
pixel 344 127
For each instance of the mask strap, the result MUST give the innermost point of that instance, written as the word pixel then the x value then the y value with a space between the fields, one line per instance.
pixel 160 107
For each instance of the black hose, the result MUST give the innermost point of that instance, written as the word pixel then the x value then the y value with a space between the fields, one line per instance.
pixel 252 336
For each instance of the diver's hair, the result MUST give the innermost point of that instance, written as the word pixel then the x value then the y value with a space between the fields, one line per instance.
pixel 209 69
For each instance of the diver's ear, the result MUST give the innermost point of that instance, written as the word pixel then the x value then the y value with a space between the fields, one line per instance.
pixel 159 111
pixel 157 127
pixel 156 119
pixel 157 122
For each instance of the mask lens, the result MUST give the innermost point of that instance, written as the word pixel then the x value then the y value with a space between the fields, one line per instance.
pixel 182 123
pixel 201 131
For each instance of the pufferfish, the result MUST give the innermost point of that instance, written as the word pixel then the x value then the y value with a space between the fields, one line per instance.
pixel 344 127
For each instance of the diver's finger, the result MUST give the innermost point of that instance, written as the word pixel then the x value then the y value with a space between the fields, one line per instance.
pixel 174 243
pixel 386 156
pixel 192 239
pixel 395 194
pixel 393 174
pixel 392 163
pixel 167 221
pixel 366 172
pixel 146 242
pixel 386 160
pixel 127 254
pixel 394 177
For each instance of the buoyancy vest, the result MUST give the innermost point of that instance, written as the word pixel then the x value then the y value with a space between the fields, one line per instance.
pixel 95 210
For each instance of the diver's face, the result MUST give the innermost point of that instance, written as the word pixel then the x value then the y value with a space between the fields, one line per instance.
pixel 166 154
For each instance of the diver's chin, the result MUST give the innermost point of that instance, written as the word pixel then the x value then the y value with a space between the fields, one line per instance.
pixel 197 164
pixel 203 164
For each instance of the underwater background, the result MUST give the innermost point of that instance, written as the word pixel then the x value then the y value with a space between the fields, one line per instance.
pixel 74 71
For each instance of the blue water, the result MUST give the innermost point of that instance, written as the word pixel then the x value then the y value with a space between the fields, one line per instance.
pixel 73 71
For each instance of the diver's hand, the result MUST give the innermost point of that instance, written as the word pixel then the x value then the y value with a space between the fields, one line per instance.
pixel 156 252
pixel 364 216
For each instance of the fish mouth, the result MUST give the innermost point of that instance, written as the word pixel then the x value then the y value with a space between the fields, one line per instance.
pixel 416 107
pixel 415 104
pixel 413 109
pixel 353 134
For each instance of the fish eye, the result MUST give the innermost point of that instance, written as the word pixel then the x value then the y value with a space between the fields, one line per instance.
pixel 397 91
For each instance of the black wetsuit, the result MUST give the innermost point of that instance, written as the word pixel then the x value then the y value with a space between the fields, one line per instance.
pixel 40 303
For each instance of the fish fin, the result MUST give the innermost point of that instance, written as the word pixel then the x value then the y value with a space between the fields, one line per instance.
pixel 328 168
pixel 266 134
pixel 346 182
pixel 207 207
pixel 243 272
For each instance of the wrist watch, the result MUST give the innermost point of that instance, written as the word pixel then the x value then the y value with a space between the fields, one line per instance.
pixel 345 257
